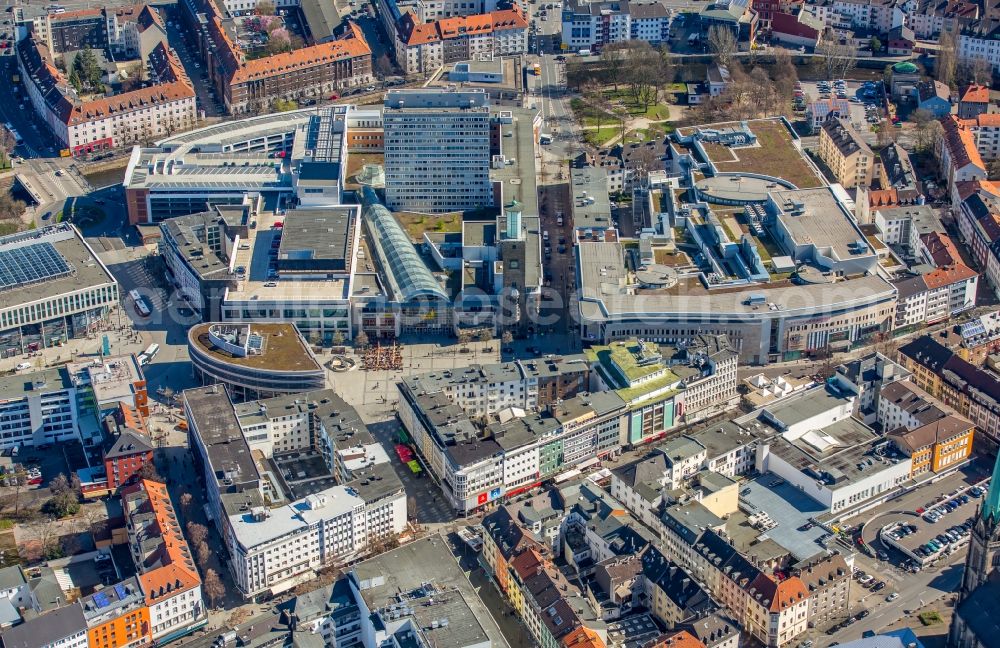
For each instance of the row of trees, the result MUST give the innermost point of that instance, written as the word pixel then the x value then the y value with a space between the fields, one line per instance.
pixel 752 94
pixel 642 70
pixel 197 536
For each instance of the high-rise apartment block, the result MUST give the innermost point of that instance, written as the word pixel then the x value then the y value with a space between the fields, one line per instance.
pixel 437 150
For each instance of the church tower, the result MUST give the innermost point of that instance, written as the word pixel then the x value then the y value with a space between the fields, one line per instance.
pixel 984 542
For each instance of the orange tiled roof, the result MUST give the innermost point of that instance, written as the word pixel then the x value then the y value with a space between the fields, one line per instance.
pixel 883 198
pixel 149 17
pixel 976 94
pixel 583 637
pixel 941 248
pixel 961 144
pixel 79 13
pixel 985 120
pixel 351 46
pixel 789 592
pixel 947 275
pixel 677 639
pixel 143 97
pixel 132 418
pixel 526 563
pixel 177 571
pixel 969 187
pixel 414 33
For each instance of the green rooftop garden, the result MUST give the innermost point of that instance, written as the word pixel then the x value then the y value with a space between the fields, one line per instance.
pixel 628 362
pixel 630 394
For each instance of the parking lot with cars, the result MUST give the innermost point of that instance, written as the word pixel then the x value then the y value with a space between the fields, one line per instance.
pixel 863 97
pixel 939 531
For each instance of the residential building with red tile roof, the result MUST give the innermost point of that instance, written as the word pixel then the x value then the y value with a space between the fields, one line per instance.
pixel 985 129
pixel 251 86
pixel 164 562
pixel 675 639
pixel 584 637
pixel 869 201
pixel 423 47
pixel 83 125
pixel 938 249
pixel 958 154
pixel 934 296
pixel 974 101
pixel 771 609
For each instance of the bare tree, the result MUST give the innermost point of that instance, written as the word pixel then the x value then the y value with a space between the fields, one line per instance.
pixel 383 66
pixel 593 96
pixel 264 8
pixel 785 74
pixel 643 74
pixel 836 58
pixel 666 69
pixel 361 340
pixel 204 554
pixel 722 42
pixel 762 96
pixel 982 71
pixel 484 335
pixel 973 70
pixel 213 587
pixel 886 134
pixel 886 344
pixel 95 517
pixel 186 500
pixel 197 533
pixel 10 209
pixel 7 144
pixel 946 61
pixel 59 484
pixel 464 337
pixel 45 532
pixel 18 478
pixel 149 471
pixel 506 338
pixel 623 116
pixel 928 134
pixel 614 58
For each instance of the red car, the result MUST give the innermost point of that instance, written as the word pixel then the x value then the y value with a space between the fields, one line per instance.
pixel 334 96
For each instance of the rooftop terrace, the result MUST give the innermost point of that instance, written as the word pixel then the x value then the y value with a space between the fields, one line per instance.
pixel 276 347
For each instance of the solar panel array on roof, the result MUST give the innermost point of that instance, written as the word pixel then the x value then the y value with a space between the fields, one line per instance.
pixel 120 591
pixel 30 264
pixel 973 328
pixel 101 600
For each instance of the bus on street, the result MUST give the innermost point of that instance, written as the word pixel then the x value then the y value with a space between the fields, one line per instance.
pixel 140 303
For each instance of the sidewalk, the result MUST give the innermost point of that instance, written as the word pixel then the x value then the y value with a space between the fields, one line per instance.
pixel 122 337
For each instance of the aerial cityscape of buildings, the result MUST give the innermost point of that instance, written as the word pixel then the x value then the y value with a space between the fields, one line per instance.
pixel 492 323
